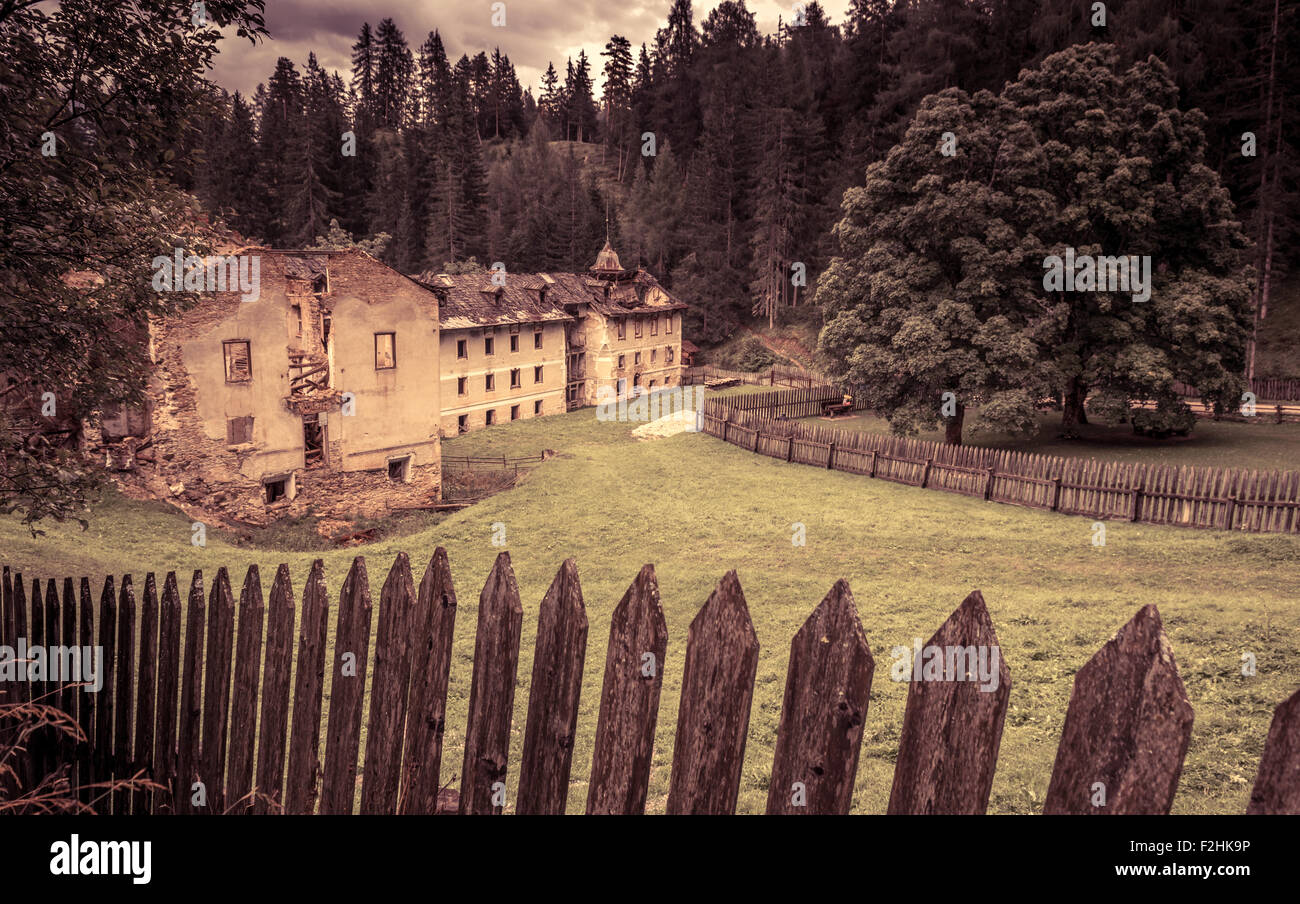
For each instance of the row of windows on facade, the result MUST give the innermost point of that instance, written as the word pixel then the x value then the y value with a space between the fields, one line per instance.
pixel 490 416
pixel 239 362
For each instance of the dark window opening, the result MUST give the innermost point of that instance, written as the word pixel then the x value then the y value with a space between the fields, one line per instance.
pixel 537 374
pixel 462 385
pixel 537 339
pixel 313 440
pixel 514 343
pixel 537 407
pixel 399 469
pixel 490 382
pixel 515 379
pixel 276 490
pixel 461 350
pixel 487 345
pixel 462 423
pixel 514 412
pixel 490 417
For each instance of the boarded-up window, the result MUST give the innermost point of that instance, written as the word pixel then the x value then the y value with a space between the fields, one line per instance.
pixel 239 361
pixel 239 430
pixel 385 351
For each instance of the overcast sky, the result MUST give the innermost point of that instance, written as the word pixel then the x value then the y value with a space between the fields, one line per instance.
pixel 536 31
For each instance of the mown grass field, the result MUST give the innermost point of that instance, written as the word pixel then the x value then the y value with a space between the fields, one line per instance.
pixel 697 507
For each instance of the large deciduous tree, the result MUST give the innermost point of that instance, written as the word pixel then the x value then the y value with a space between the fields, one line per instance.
pixel 97 97
pixel 939 286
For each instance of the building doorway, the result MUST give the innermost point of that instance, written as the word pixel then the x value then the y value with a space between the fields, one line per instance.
pixel 313 440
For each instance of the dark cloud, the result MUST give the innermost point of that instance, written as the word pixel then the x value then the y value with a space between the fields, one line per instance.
pixel 536 31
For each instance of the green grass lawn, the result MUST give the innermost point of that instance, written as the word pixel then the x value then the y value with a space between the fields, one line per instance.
pixel 697 507
pixel 1226 444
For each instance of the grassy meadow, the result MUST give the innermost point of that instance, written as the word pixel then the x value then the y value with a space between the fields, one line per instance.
pixel 696 507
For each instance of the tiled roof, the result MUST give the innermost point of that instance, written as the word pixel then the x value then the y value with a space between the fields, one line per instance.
pixel 469 300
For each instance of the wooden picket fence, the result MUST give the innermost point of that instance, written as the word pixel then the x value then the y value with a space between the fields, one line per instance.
pixel 1276 389
pixel 183 717
pixel 1223 498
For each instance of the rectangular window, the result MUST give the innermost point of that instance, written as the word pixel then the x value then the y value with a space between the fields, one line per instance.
pixel 622 387
pixel 239 360
pixel 537 339
pixel 487 345
pixel 490 382
pixel 489 417
pixel 654 325
pixel 515 379
pixel 537 374
pixel 239 430
pixel 622 328
pixel 654 355
pixel 636 328
pixel 537 408
pixel 514 412
pixel 668 354
pixel 462 386
pixel 385 351
pixel 277 489
pixel 636 358
pixel 399 469
pixel 668 324
pixel 462 423
pixel 622 360
pixel 462 350
pixel 514 343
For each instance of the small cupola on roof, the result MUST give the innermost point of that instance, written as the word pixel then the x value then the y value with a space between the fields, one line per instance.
pixel 607 261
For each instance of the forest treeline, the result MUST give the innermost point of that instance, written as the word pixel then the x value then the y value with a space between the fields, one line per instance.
pixel 715 155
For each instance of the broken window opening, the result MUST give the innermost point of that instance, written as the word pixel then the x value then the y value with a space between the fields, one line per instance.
pixel 239 361
pixel 313 440
pixel 385 351
pixel 399 469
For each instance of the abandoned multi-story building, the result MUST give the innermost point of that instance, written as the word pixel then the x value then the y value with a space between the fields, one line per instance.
pixel 321 393
pixel 525 345
pixel 330 387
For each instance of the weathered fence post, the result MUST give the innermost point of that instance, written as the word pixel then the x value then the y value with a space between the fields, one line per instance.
pixel 558 658
pixel 1056 494
pixel 1276 790
pixel 988 484
pixel 302 782
pixel 629 701
pixel 145 689
pixel 713 717
pixel 492 692
pixel 389 691
pixel 1127 727
pixel 347 693
pixel 1137 500
pixel 827 689
pixel 952 726
pixel 191 706
pixel 434 621
pixel 216 692
pixel 103 749
pixel 272 732
pixel 830 456
pixel 243 706
pixel 169 672
pixel 925 472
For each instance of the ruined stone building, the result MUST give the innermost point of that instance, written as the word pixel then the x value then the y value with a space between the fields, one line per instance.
pixel 321 393
pixel 329 388
pixel 525 345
